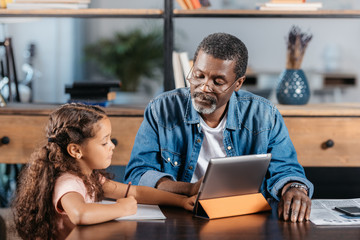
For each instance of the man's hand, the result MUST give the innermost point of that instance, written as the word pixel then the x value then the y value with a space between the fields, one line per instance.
pixel 294 204
pixel 184 188
pixel 195 187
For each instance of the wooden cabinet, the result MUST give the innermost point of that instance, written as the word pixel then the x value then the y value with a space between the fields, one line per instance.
pixel 24 127
pixel 325 135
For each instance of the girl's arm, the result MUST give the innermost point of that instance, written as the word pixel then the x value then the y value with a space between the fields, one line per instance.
pixel 147 195
pixel 82 213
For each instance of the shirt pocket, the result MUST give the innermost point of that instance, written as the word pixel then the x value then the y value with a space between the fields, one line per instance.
pixel 172 158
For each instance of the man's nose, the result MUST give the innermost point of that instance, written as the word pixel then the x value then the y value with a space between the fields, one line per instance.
pixel 206 86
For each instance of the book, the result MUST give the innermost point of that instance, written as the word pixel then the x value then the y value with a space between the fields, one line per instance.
pixel 196 4
pixel 303 5
pixel 185 65
pixel 97 84
pixel 31 6
pixel 3 3
pixel 106 97
pixel 189 4
pixel 87 92
pixel 178 72
pixel 93 90
pixel 182 4
pixel 51 1
pixel 290 6
pixel 205 3
pixel 287 1
pixel 144 212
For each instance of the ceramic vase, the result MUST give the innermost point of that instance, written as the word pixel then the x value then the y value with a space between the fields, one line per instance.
pixel 293 87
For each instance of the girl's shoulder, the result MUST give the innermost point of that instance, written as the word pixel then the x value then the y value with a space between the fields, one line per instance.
pixel 66 183
pixel 68 177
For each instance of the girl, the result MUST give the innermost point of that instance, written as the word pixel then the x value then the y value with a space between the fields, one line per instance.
pixel 62 182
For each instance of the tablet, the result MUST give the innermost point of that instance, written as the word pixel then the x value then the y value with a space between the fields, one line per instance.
pixel 232 176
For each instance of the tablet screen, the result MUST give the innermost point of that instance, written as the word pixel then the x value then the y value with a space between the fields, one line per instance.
pixel 232 176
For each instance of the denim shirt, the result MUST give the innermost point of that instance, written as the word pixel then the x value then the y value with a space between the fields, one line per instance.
pixel 169 139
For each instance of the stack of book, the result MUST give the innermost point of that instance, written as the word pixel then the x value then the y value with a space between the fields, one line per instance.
pixel 289 5
pixel 93 92
pixel 181 67
pixel 193 4
pixel 47 4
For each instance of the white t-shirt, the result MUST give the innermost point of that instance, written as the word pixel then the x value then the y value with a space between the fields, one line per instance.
pixel 212 147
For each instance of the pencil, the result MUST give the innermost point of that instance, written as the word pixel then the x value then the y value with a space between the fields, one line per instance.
pixel 127 190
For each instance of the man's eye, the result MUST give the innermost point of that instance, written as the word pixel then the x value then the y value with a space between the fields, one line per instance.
pixel 218 82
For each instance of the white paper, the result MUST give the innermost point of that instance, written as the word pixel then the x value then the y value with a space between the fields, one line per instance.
pixel 323 213
pixel 144 212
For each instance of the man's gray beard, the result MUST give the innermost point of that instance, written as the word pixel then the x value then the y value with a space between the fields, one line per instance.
pixel 203 110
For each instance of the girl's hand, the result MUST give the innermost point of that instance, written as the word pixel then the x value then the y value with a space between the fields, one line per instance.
pixel 189 202
pixel 129 205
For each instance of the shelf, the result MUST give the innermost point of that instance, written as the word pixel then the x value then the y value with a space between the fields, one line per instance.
pixel 321 110
pixel 158 13
pixel 266 14
pixel 84 13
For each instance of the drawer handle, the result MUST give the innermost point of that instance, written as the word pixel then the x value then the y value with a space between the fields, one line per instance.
pixel 5 140
pixel 328 144
pixel 114 141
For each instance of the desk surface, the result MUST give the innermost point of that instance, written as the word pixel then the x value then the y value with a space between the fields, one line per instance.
pixel 181 224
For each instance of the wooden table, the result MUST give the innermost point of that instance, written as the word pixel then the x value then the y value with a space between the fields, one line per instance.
pixel 183 225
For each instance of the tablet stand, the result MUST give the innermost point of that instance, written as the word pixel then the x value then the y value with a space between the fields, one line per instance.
pixel 231 206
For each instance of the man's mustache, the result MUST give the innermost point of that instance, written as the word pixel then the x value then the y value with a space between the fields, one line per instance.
pixel 203 96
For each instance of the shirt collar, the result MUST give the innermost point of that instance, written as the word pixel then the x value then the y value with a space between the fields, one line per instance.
pixel 192 116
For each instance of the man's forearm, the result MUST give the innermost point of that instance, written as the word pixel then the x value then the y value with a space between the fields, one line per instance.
pixel 169 185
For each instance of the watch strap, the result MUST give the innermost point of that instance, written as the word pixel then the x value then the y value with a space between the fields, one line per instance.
pixel 300 186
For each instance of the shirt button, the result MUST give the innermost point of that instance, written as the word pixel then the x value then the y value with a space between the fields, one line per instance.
pixel 229 147
pixel 198 140
pixel 191 167
pixel 168 159
pixel 198 125
pixel 175 163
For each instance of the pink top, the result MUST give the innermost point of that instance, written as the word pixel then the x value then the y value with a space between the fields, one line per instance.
pixel 69 183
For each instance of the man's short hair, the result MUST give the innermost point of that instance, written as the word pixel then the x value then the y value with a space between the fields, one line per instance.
pixel 226 47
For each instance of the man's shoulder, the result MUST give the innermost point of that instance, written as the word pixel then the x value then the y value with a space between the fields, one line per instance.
pixel 253 112
pixel 251 100
pixel 170 107
pixel 172 95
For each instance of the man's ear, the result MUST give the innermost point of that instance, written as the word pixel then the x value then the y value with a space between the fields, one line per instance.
pixel 240 83
pixel 74 150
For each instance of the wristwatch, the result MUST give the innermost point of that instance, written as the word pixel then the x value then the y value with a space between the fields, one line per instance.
pixel 299 185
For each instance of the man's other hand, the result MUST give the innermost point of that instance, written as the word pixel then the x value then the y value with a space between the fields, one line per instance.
pixel 294 204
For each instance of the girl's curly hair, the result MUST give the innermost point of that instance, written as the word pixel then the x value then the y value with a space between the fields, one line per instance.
pixel 34 213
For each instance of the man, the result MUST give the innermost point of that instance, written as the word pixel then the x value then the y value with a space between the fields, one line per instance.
pixel 184 128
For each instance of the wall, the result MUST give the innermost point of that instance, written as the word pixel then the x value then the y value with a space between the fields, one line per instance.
pixel 54 53
pixel 60 43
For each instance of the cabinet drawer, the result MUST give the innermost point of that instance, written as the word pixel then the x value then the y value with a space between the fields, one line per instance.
pixel 124 130
pixel 309 135
pixel 26 133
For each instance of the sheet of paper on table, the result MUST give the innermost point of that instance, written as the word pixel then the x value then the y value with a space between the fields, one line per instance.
pixel 144 212
pixel 323 213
